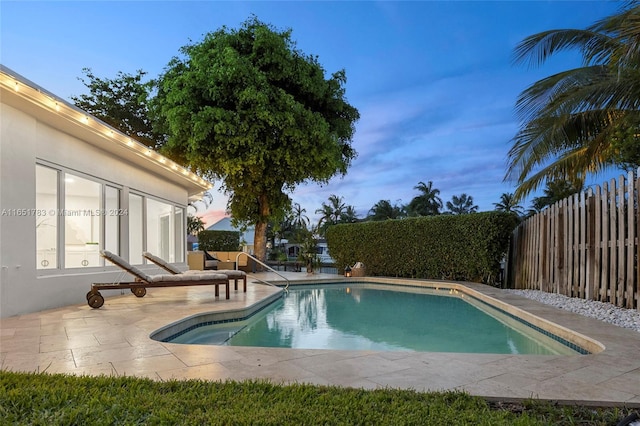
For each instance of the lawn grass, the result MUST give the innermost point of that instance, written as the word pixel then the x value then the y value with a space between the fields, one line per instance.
pixel 54 399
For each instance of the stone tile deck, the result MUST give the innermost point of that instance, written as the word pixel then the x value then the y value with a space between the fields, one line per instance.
pixel 114 340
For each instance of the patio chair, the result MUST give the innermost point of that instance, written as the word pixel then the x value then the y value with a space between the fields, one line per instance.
pixel 143 281
pixel 210 262
pixel 231 273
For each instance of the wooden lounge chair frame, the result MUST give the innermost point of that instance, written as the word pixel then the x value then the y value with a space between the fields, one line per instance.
pixel 230 273
pixel 144 281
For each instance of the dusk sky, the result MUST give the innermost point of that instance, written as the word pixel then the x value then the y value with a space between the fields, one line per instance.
pixel 433 81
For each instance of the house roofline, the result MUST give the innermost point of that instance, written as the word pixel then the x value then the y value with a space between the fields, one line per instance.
pixel 19 92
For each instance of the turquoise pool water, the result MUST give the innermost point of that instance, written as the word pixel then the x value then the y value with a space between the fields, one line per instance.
pixel 380 318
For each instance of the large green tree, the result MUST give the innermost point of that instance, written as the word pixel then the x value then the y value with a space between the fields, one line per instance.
pixel 247 107
pixel 585 119
pixel 122 102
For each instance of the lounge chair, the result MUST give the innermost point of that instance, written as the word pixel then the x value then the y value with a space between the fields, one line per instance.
pixel 231 273
pixel 143 281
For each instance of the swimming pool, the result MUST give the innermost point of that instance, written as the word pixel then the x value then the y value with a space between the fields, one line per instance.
pixel 368 316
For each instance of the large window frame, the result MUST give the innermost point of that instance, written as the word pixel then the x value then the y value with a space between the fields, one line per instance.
pixel 108 215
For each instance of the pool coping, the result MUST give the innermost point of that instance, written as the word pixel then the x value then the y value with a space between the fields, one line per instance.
pixel 114 340
pixel 577 342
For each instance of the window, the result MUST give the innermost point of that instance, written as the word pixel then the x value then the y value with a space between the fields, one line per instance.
pixel 180 234
pixel 112 214
pixel 82 221
pixel 136 229
pixel 77 216
pixel 159 225
pixel 47 218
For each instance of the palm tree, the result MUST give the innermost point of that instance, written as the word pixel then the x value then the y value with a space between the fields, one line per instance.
pixel 555 191
pixel 349 215
pixel 195 225
pixel 509 204
pixel 427 203
pixel 383 210
pixel 577 121
pixel 330 213
pixel 298 217
pixel 462 204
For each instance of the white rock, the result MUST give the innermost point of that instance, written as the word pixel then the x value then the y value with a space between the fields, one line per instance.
pixel 627 318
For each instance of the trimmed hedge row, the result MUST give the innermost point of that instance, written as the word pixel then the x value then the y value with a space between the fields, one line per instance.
pixel 460 248
pixel 219 240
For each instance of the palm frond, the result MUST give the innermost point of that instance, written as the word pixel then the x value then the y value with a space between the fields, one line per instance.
pixel 536 49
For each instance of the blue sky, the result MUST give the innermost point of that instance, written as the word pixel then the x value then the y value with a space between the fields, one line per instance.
pixel 433 81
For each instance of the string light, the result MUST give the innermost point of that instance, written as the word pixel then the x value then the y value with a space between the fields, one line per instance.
pixel 86 119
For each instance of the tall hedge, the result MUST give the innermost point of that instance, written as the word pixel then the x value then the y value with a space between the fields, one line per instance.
pixel 219 240
pixel 461 247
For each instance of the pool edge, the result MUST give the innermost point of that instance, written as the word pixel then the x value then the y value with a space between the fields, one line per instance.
pixel 179 326
pixel 585 343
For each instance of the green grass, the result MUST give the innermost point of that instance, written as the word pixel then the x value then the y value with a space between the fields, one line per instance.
pixel 49 399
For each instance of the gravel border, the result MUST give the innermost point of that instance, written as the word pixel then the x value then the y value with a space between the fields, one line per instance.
pixel 627 318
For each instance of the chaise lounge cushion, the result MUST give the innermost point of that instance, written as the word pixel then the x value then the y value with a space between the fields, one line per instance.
pixel 204 276
pixel 117 260
pixel 186 277
pixel 231 273
pixel 161 262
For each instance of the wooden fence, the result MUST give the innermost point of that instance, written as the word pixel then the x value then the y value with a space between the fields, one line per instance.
pixel 584 246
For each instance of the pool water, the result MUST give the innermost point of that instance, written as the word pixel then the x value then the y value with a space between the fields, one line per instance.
pixel 379 318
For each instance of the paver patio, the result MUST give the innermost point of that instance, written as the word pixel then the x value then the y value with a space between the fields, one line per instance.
pixel 114 340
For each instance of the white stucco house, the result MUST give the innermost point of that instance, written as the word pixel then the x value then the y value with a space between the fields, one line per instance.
pixel 71 185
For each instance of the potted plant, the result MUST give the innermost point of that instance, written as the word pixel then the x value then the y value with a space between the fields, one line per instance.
pixel 309 251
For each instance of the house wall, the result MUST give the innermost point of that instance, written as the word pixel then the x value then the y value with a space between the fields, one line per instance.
pixel 25 141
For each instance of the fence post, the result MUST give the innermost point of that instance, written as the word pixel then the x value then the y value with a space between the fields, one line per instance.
pixel 630 243
pixel 590 291
pixel 620 284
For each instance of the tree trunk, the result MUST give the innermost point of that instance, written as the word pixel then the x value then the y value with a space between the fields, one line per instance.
pixel 260 236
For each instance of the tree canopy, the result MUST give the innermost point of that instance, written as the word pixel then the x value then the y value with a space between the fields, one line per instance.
pixel 585 119
pixel 427 203
pixel 247 107
pixel 554 191
pixel 509 204
pixel 462 204
pixel 384 210
pixel 334 212
pixel 121 102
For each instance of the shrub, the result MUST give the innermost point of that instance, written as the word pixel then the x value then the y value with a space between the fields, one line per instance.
pixel 451 247
pixel 219 240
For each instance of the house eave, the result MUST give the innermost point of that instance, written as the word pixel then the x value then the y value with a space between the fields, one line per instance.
pixel 26 96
